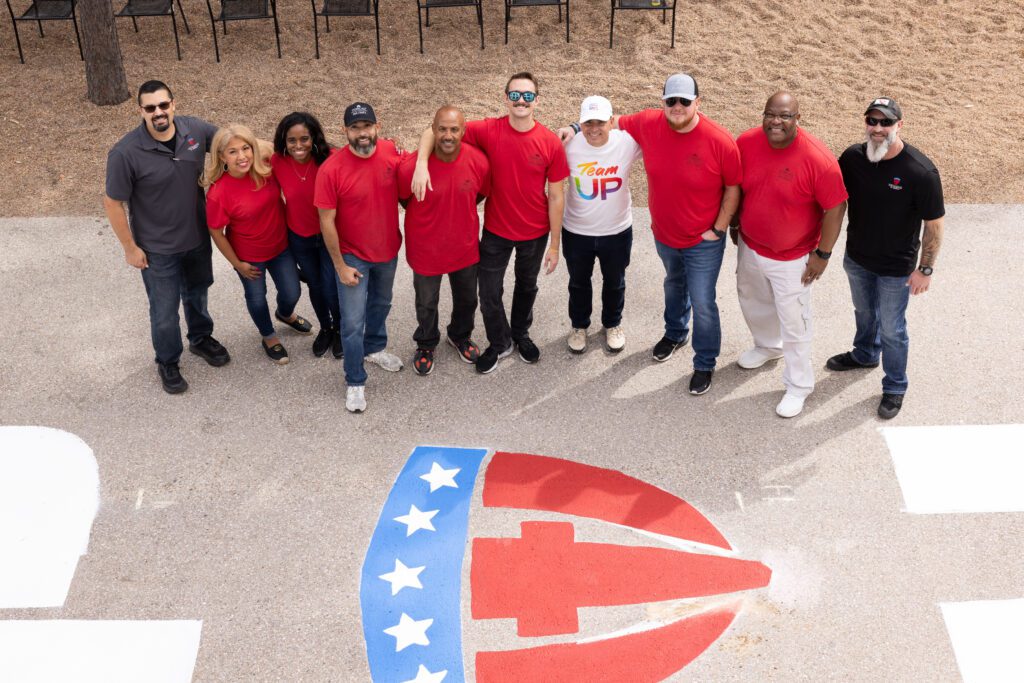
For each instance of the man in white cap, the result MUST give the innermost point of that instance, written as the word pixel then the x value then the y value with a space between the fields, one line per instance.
pixel 598 221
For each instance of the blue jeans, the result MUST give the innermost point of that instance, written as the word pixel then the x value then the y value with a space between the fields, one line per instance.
pixel 311 255
pixel 172 280
pixel 880 308
pixel 364 314
pixel 286 278
pixel 690 278
pixel 612 253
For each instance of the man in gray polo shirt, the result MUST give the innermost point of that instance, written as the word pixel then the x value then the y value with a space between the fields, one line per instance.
pixel 155 169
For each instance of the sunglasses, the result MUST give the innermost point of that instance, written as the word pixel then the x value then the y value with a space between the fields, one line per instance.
pixel 525 96
pixel 884 123
pixel 672 101
pixel 150 108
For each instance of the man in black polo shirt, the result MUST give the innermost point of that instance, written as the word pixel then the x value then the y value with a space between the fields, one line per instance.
pixel 156 169
pixel 893 187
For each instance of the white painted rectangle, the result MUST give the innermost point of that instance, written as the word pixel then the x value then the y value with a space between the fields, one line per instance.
pixel 986 636
pixel 98 651
pixel 978 468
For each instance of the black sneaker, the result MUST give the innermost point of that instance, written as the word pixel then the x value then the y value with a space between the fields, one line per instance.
pixel 210 350
pixel 299 324
pixel 528 351
pixel 890 405
pixel 468 351
pixel 664 349
pixel 336 348
pixel 700 382
pixel 488 360
pixel 322 341
pixel 423 361
pixel 846 361
pixel 275 352
pixel 171 378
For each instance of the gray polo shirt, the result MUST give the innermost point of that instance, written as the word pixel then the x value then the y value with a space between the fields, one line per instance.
pixel 166 206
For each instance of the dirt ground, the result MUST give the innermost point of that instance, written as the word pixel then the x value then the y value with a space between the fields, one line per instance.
pixel 955 66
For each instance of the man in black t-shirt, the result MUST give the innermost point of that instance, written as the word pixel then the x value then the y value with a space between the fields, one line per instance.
pixel 893 187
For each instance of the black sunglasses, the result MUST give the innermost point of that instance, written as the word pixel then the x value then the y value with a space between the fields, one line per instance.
pixel 672 101
pixel 884 123
pixel 150 108
pixel 525 96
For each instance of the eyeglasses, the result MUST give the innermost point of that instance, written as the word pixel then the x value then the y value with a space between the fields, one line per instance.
pixel 768 116
pixel 884 123
pixel 673 101
pixel 525 96
pixel 150 108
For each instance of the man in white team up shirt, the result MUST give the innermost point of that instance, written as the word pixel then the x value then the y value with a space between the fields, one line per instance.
pixel 598 221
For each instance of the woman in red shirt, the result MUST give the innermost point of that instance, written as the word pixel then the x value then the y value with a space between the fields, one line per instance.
pixel 299 149
pixel 246 220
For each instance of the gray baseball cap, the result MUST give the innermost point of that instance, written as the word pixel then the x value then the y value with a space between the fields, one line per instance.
pixel 680 85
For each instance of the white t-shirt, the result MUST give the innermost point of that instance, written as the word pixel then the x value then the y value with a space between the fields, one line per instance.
pixel 598 202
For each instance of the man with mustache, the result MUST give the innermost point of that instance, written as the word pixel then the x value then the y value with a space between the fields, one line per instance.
pixel 893 188
pixel 153 172
pixel 357 198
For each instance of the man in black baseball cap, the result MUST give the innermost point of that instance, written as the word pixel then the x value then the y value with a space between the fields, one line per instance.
pixel 359 111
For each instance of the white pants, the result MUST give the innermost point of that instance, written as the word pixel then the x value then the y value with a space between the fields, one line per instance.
pixel 777 308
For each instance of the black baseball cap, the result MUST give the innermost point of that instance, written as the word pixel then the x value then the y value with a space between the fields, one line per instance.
pixel 887 106
pixel 359 111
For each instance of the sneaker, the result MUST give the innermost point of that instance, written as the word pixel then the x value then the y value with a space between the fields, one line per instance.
pixel 890 406
pixel 276 353
pixel 323 341
pixel 578 340
pixel 210 350
pixel 528 351
pixel 468 350
pixel 488 360
pixel 336 348
pixel 299 324
pixel 355 399
pixel 614 338
pixel 790 405
pixel 700 382
pixel 387 361
pixel 423 361
pixel 170 377
pixel 664 349
pixel 756 357
pixel 846 361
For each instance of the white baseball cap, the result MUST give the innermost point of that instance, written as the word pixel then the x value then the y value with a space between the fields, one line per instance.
pixel 595 108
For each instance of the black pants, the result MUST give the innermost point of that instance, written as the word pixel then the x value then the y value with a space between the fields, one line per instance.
pixel 612 253
pixel 428 293
pixel 495 253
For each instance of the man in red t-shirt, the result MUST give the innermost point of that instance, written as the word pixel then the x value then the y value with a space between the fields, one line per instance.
pixel 518 216
pixel 693 176
pixel 792 209
pixel 357 197
pixel 441 236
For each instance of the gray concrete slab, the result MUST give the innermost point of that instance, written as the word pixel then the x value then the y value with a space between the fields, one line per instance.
pixel 259 492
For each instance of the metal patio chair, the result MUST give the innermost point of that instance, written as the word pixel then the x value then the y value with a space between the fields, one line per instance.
pixel 243 10
pixel 655 5
pixel 427 5
pixel 45 10
pixel 345 8
pixel 510 4
pixel 155 8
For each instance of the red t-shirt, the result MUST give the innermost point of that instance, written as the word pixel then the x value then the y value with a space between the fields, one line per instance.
pixel 365 194
pixel 442 233
pixel 254 217
pixel 785 193
pixel 298 181
pixel 517 208
pixel 687 173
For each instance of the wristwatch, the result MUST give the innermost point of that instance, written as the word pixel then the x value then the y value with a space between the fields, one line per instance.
pixel 824 255
pixel 925 270
pixel 718 233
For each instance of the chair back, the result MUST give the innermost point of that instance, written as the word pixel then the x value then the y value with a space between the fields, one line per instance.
pixel 53 8
pixel 351 8
pixel 250 9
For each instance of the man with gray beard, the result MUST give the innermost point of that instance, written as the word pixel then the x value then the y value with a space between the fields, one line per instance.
pixel 893 187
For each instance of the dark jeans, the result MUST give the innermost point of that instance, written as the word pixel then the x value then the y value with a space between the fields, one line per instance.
pixel 173 279
pixel 428 294
pixel 286 278
pixel 612 253
pixel 311 255
pixel 365 307
pixel 880 309
pixel 495 253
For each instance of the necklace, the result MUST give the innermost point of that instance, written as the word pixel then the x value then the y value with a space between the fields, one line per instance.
pixel 300 177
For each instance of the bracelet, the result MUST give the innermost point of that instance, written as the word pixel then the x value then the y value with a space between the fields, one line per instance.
pixel 575 127
pixel 718 233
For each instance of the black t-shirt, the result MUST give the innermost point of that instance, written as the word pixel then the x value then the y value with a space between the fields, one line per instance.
pixel 888 201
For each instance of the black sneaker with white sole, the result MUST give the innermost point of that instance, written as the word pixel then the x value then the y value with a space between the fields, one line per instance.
pixel 664 349
pixel 488 360
pixel 528 351
pixel 322 341
pixel 700 382
pixel 423 361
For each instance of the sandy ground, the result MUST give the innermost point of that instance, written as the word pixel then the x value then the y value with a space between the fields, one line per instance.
pixel 954 65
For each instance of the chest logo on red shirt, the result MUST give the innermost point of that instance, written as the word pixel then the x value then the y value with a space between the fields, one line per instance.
pixel 536 159
pixel 694 160
pixel 895 184
pixel 786 174
pixel 467 185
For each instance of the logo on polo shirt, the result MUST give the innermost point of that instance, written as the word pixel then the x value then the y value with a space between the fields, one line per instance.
pixel 536 159
pixel 192 144
pixel 786 174
pixel 895 184
pixel 694 160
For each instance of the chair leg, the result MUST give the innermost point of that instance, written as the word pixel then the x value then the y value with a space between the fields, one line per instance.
pixel 213 25
pixel 566 21
pixel 40 23
pixel 480 20
pixel 78 36
pixel 184 18
pixel 327 18
pixel 508 12
pixel 17 38
pixel 376 23
pixel 135 25
pixel 174 25
pixel 611 29
pixel 428 17
pixel 419 24
pixel 673 25
pixel 277 30
pixel 559 13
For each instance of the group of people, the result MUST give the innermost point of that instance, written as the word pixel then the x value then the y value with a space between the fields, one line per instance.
pixel 300 207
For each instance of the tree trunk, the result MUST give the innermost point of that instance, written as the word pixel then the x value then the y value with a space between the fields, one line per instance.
pixel 104 71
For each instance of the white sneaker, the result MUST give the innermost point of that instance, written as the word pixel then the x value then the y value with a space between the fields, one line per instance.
pixel 755 358
pixel 614 338
pixel 790 405
pixel 388 361
pixel 578 340
pixel 355 400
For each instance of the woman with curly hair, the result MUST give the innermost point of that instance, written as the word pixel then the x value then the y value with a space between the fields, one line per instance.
pixel 246 220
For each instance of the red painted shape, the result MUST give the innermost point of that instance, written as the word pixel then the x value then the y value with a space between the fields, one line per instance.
pixel 638 658
pixel 537 482
pixel 542 578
